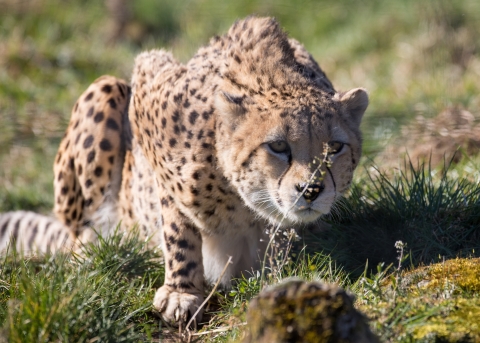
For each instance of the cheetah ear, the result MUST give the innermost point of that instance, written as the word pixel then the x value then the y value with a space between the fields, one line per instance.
pixel 355 102
pixel 230 103
pixel 231 107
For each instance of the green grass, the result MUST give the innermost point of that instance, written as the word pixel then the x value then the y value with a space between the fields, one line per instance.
pixel 415 58
pixel 104 295
pixel 435 212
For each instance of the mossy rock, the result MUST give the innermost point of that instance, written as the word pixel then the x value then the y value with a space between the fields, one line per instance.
pixel 299 311
pixel 435 303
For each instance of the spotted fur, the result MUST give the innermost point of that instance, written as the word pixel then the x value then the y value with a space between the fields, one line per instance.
pixel 197 163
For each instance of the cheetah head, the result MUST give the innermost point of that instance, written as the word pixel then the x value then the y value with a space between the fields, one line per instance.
pixel 271 147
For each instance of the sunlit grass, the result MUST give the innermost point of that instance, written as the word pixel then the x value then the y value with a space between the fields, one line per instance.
pixel 104 295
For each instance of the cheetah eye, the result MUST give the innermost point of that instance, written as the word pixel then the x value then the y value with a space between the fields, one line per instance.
pixel 279 147
pixel 335 147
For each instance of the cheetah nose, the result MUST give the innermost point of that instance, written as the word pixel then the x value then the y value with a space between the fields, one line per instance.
pixel 312 191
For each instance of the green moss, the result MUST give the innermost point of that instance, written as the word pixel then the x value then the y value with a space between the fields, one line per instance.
pixel 461 274
pixel 458 322
pixel 436 303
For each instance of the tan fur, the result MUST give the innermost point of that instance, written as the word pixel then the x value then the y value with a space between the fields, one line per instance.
pixel 199 174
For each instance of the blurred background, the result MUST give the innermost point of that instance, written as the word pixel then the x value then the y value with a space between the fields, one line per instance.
pixel 418 59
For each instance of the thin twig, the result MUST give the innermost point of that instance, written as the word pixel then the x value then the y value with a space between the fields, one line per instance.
pixel 210 295
pixel 325 160
pixel 220 329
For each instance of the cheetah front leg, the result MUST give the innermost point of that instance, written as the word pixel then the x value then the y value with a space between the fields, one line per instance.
pixel 182 293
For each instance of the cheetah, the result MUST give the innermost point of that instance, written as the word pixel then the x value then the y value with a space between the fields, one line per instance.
pixel 202 157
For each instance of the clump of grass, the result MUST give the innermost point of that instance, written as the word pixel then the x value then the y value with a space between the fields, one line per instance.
pixel 123 254
pixel 434 213
pixel 107 297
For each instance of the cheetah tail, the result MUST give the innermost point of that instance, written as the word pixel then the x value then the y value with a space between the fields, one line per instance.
pixel 32 233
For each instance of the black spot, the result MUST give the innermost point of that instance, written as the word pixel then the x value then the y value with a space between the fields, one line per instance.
pixel 89 96
pixel 175 227
pixel 33 235
pixel 191 265
pixel 179 186
pixel 177 98
pixel 164 105
pixel 164 122
pixel 78 138
pixel 90 112
pixel 98 171
pixel 209 187
pixel 112 103
pixel 179 257
pixel 172 142
pixel 88 183
pixel 87 143
pixel 64 190
pixel 175 116
pixel 121 90
pixel 209 158
pixel 230 208
pixel 171 240
pixel 164 202
pixel 98 117
pixel 176 129
pixel 88 202
pixel 187 145
pixel 111 159
pixel 91 156
pixel 112 124
pixel 105 145
pixel 107 89
pixel 196 175
pixel 193 117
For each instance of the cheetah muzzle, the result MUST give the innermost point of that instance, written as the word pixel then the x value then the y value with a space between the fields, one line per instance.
pixel 204 157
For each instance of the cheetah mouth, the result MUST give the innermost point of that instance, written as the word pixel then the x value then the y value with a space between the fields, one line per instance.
pixel 306 214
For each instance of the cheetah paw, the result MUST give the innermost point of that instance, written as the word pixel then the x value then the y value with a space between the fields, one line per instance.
pixel 177 307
